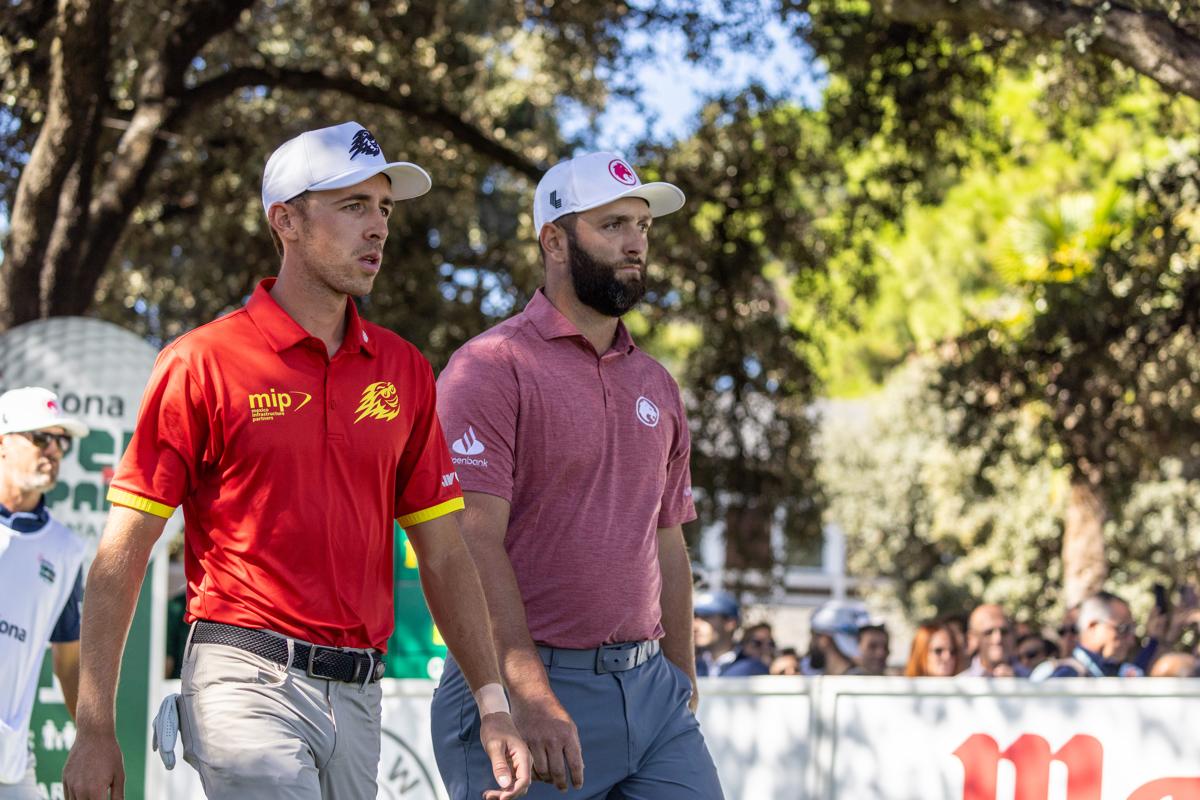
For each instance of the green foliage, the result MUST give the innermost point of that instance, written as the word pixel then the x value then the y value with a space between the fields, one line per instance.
pixel 951 525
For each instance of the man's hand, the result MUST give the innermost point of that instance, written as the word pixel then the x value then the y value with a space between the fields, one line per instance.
pixel 93 766
pixel 553 741
pixel 508 754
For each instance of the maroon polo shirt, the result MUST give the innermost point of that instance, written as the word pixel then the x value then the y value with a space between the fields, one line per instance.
pixel 592 451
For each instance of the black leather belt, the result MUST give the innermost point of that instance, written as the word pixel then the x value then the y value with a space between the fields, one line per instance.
pixel 607 658
pixel 330 663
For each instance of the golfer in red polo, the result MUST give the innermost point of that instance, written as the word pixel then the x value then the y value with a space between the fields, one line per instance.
pixel 293 433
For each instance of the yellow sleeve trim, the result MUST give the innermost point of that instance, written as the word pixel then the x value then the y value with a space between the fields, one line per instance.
pixel 123 498
pixel 440 510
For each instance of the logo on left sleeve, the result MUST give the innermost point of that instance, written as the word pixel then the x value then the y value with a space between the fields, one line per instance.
pixel 380 400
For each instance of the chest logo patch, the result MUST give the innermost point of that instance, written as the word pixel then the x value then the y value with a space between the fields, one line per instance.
pixel 647 412
pixel 380 400
pixel 45 569
pixel 273 404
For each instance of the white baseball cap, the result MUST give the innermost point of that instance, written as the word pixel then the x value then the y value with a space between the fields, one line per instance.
pixel 334 158
pixel 33 408
pixel 842 620
pixel 592 180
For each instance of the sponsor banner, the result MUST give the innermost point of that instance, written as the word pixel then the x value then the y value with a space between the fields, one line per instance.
pixel 890 739
pixel 975 739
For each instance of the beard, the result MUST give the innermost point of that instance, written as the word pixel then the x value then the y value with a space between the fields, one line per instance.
pixel 36 481
pixel 597 285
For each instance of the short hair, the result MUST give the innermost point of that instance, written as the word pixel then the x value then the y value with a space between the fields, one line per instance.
pixel 1097 608
pixel 865 629
pixel 300 201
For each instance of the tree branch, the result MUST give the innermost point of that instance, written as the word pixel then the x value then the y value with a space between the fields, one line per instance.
pixel 1145 40
pixel 468 133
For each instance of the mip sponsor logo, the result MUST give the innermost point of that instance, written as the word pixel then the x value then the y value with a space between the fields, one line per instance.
pixel 1031 756
pixel 272 404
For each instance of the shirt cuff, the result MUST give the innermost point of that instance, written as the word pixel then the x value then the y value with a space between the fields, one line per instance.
pixel 440 510
pixel 123 498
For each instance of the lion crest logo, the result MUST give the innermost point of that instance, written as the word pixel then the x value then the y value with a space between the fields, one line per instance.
pixel 380 400
pixel 363 144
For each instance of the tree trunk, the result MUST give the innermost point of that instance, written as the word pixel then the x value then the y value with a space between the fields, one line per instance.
pixel 1147 41
pixel 1085 567
pixel 78 51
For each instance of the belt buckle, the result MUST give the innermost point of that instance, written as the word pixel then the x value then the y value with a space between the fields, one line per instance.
pixel 615 659
pixel 312 658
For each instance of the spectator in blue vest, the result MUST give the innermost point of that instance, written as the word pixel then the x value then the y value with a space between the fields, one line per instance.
pixel 1107 635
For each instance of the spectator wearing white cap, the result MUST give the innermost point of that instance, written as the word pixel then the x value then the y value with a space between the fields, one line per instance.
pixel 40 563
pixel 717 615
pixel 833 648
pixel 295 435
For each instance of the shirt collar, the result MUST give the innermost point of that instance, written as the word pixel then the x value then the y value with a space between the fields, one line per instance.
pixel 283 332
pixel 551 324
pixel 25 521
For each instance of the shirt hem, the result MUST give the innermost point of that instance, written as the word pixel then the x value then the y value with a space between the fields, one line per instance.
pixel 440 510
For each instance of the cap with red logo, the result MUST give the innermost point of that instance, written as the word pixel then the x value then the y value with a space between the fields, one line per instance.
pixel 334 158
pixel 592 180
pixel 33 408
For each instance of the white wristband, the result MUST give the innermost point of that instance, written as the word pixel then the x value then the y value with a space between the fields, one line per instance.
pixel 491 699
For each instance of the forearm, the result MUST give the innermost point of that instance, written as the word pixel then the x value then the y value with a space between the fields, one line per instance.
pixel 112 590
pixel 520 664
pixel 676 599
pixel 456 601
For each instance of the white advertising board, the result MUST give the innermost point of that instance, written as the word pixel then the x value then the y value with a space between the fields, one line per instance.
pixel 891 739
pixel 975 739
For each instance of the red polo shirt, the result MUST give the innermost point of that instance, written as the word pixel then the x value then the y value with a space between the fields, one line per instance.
pixel 290 466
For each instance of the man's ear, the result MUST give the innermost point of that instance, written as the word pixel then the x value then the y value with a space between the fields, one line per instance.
pixel 284 221
pixel 553 240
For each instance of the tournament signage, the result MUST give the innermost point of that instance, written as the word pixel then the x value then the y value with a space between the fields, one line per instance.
pixel 99 371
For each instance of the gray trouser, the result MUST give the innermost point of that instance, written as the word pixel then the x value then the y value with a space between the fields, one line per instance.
pixel 639 740
pixel 25 790
pixel 254 729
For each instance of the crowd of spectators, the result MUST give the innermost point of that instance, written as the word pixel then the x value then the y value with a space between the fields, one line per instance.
pixel 1097 638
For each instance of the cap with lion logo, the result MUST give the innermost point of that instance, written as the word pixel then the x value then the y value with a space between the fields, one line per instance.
pixel 593 180
pixel 334 158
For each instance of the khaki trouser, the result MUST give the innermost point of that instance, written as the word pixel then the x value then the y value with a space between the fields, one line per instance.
pixel 254 729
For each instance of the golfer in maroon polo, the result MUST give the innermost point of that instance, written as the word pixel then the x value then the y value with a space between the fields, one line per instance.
pixel 572 448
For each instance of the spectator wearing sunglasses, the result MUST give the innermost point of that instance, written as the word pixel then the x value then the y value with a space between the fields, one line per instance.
pixel 1033 650
pixel 40 561
pixel 992 645
pixel 758 641
pixel 936 652
pixel 1106 639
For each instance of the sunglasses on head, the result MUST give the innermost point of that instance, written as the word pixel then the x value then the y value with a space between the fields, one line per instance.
pixel 42 440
